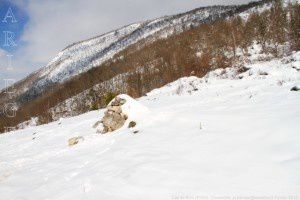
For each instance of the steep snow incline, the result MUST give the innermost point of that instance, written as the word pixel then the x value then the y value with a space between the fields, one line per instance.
pixel 226 134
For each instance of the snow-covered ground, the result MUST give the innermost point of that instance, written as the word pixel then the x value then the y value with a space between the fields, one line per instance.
pixel 225 136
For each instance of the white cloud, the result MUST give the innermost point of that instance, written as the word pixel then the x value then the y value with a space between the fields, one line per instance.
pixel 54 24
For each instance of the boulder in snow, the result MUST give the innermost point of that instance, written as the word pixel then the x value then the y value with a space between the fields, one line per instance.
pixel 119 110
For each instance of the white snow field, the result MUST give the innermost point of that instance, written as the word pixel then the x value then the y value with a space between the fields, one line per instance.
pixel 224 136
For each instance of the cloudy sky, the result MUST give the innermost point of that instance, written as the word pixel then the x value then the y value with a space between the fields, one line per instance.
pixel 45 27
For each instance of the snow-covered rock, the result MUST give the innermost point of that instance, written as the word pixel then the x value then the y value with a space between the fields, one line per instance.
pixel 122 110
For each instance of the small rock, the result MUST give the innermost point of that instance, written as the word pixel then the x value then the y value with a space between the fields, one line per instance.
pixel 75 140
pixel 242 69
pixel 263 73
pixel 135 132
pixel 132 124
pixel 295 88
pixel 296 68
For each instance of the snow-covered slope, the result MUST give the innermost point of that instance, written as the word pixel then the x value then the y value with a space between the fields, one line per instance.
pixel 228 134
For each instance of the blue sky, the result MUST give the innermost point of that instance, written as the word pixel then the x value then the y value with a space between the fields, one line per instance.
pixel 45 27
